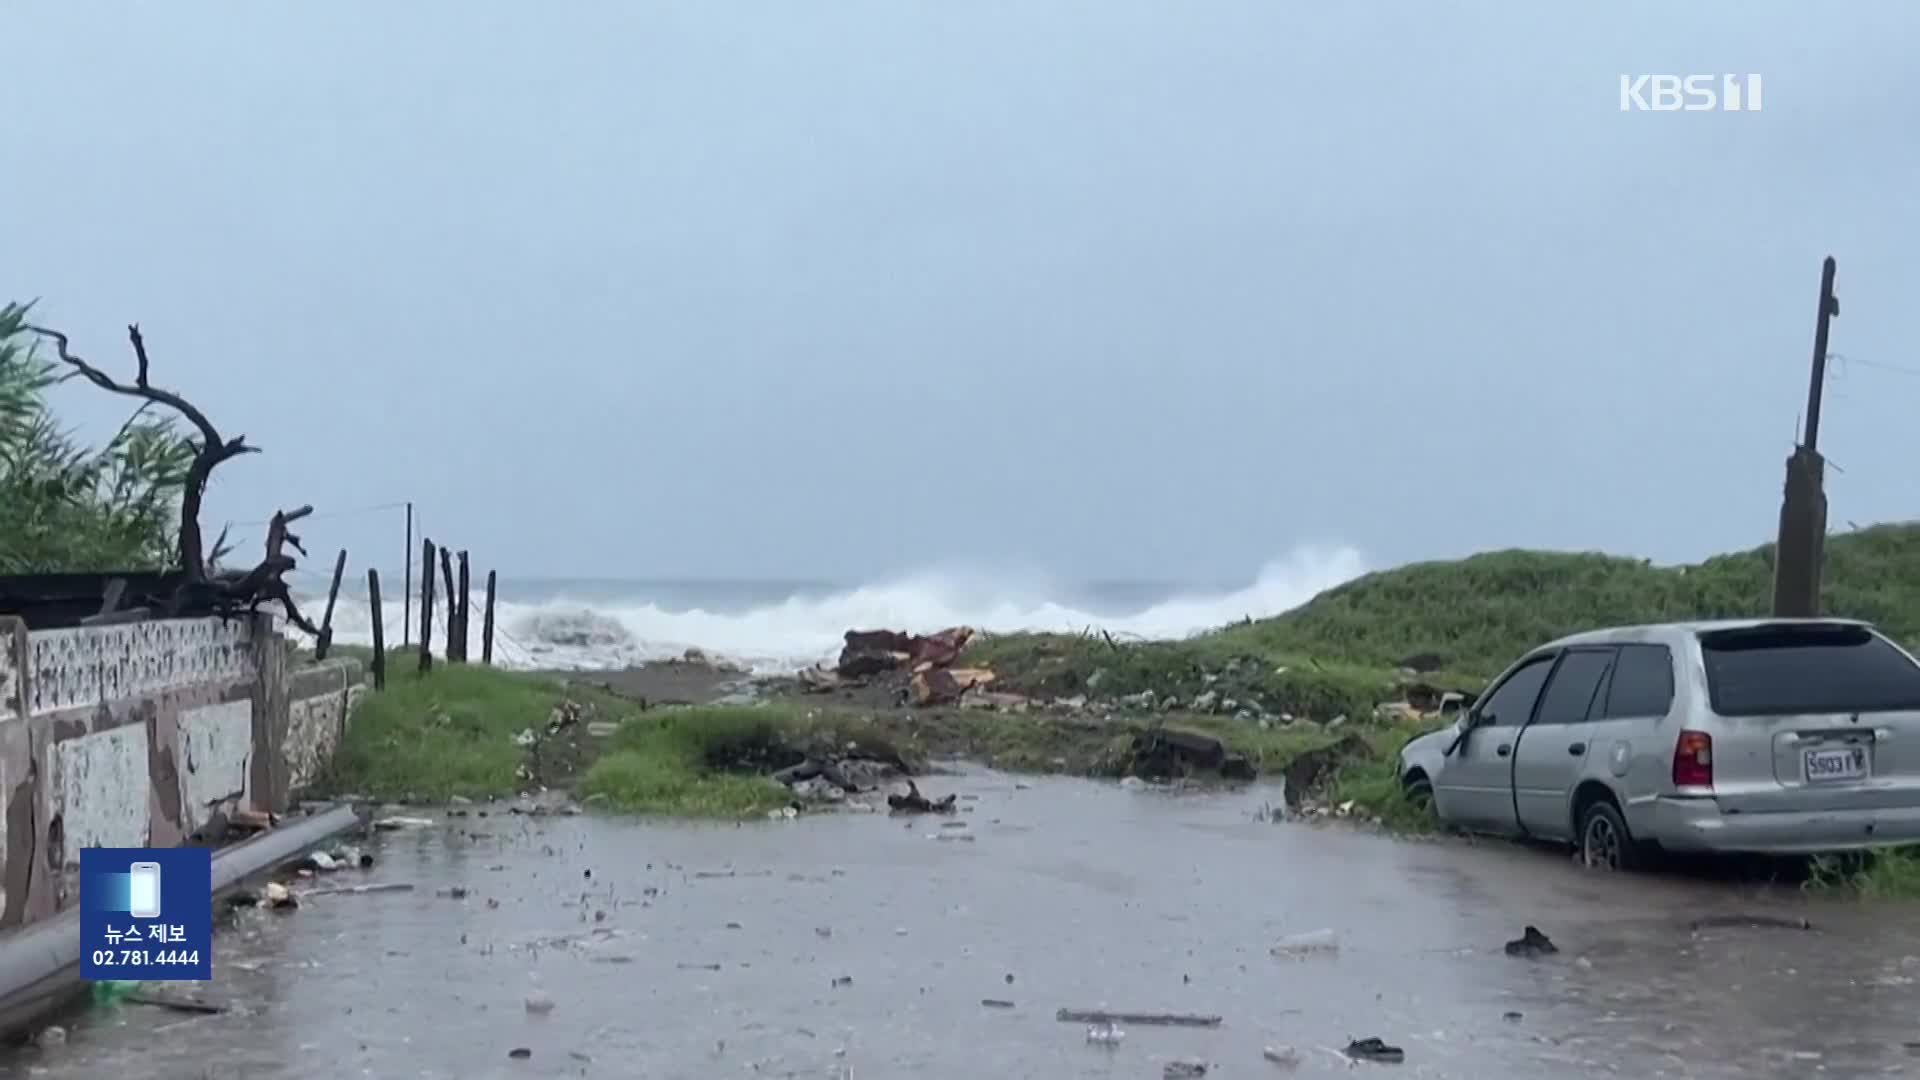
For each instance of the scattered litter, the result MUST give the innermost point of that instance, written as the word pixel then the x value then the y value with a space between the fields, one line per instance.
pixel 698 967
pixel 276 895
pixel 1184 1070
pixel 321 861
pixel 823 931
pixel 844 980
pixel 454 892
pixel 1101 1016
pixel 1105 1034
pixel 1512 1017
pixel 1372 1049
pixel 1532 942
pixel 520 1053
pixel 1294 946
pixel 525 738
pixel 996 1003
pixel 1583 964
pixel 540 1002
pixel 390 824
pixel 1284 1056
pixel 957 838
pixel 51 1036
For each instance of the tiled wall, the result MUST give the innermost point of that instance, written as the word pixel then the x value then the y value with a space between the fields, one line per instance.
pixel 147 734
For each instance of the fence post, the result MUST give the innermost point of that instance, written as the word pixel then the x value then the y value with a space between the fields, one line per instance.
pixel 321 646
pixel 486 622
pixel 379 630
pixel 466 604
pixel 406 587
pixel 446 569
pixel 426 606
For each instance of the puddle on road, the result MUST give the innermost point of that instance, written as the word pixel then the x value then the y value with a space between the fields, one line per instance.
pixel 862 945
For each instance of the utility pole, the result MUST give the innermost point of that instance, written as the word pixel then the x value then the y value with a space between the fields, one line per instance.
pixel 1800 549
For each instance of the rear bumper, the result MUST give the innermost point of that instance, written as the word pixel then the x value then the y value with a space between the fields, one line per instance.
pixel 1697 824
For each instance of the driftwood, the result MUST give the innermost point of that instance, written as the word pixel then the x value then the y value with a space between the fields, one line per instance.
pixel 915 803
pixel 224 593
pixel 186 1005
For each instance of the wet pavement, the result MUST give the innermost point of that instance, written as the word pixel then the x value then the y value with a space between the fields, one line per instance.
pixel 863 946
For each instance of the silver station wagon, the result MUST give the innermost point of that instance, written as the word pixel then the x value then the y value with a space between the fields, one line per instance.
pixel 1777 736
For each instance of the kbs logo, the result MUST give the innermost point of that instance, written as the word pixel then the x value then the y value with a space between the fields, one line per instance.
pixel 1689 93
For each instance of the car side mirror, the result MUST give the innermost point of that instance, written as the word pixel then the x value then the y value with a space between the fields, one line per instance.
pixel 1460 728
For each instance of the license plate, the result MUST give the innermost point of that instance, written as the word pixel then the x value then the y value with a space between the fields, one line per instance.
pixel 1827 766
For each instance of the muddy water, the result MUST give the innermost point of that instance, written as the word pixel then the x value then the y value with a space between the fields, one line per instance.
pixel 863 946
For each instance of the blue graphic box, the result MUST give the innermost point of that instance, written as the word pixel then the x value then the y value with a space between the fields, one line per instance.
pixel 146 914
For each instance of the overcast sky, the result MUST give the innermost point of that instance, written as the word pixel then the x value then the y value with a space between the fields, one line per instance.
pixel 1108 289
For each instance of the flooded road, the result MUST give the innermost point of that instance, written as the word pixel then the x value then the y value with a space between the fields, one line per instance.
pixel 862 945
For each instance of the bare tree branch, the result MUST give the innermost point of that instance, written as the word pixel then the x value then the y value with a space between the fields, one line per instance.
pixel 210 452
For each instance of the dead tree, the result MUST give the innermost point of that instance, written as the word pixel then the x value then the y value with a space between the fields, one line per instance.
pixel 229 592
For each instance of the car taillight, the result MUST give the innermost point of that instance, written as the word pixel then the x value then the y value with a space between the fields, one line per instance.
pixel 1693 760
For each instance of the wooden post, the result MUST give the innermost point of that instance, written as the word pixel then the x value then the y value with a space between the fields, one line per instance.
pixel 486 622
pixel 321 646
pixel 465 605
pixel 446 569
pixel 379 631
pixel 426 606
pixel 406 588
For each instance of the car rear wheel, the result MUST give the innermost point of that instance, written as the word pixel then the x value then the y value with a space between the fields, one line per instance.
pixel 1605 841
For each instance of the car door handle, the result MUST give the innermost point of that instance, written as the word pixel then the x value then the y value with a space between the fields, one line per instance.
pixel 1504 749
pixel 1577 749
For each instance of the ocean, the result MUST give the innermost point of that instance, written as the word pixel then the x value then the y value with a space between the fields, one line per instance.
pixel 776 627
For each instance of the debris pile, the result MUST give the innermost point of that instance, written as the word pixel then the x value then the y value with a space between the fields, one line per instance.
pixel 926 659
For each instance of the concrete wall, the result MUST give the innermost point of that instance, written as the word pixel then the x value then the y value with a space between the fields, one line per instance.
pixel 147 734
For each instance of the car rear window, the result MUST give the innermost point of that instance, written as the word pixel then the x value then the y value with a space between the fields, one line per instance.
pixel 1782 669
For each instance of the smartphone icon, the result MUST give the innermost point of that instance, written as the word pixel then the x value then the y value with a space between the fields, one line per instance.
pixel 143 891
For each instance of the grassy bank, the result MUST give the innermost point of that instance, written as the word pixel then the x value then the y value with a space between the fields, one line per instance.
pixel 1465 618
pixel 479 733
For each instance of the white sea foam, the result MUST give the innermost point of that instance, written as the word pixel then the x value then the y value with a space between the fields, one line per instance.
pixel 802 630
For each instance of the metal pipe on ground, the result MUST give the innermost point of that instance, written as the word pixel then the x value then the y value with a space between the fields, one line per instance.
pixel 40 964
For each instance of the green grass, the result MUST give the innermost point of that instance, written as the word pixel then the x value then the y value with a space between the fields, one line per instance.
pixel 1887 874
pixel 1339 652
pixel 1480 612
pixel 1373 784
pixel 705 761
pixel 446 733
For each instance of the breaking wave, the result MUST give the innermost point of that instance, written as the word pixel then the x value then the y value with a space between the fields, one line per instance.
pixel 612 631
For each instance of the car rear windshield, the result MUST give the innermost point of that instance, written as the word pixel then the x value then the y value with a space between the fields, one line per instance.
pixel 1779 670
